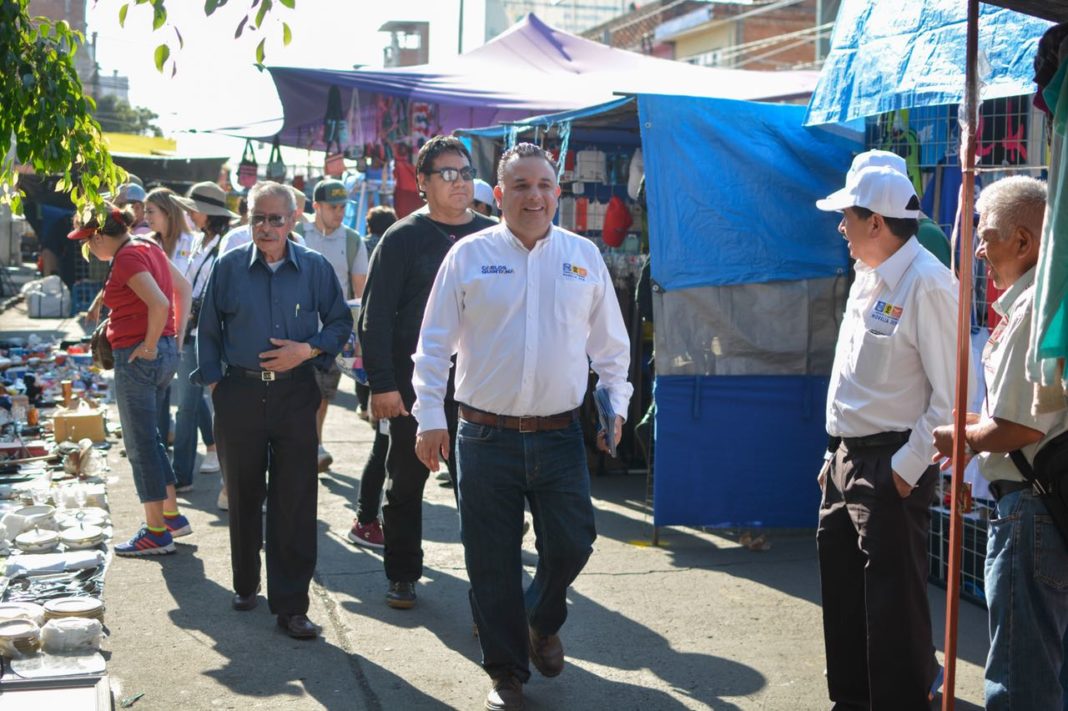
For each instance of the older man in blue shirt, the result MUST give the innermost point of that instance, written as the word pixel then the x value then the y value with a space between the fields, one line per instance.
pixel 272 311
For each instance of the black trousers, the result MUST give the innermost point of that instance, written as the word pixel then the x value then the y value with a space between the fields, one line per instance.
pixel 402 516
pixel 373 479
pixel 271 424
pixel 873 574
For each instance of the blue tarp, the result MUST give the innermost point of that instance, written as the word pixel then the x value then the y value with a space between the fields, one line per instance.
pixel 738 451
pixel 731 187
pixel 908 53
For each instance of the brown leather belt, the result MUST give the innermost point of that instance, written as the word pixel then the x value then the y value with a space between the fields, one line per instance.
pixel 522 424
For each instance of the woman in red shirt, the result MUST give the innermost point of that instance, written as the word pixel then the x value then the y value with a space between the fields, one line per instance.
pixel 142 291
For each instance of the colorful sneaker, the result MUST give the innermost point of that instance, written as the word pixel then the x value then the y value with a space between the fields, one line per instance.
pixel 369 535
pixel 401 596
pixel 146 543
pixel 177 526
pixel 210 463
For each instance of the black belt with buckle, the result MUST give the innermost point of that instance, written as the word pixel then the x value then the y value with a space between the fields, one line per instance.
pixel 269 376
pixel 881 439
pixel 1003 487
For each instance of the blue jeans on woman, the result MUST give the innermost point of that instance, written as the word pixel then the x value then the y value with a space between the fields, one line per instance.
pixel 1027 594
pixel 193 414
pixel 139 388
pixel 499 469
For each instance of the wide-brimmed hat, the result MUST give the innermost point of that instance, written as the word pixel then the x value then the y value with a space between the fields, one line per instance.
pixel 207 198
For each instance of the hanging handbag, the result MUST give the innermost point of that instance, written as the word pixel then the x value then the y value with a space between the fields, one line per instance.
pixel 100 347
pixel 334 132
pixel 247 169
pixel 276 167
pixel 1049 478
pixel 334 165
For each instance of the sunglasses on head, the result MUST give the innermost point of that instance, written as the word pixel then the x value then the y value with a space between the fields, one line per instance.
pixel 272 220
pixel 451 175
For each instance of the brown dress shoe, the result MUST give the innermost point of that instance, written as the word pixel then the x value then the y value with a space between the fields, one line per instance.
pixel 243 603
pixel 547 653
pixel 506 695
pixel 298 626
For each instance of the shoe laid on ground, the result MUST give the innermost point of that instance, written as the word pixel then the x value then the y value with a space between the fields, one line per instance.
pixel 401 596
pixel 177 526
pixel 298 626
pixel 146 543
pixel 546 653
pixel 223 502
pixel 325 459
pixel 244 603
pixel 506 695
pixel 369 535
pixel 210 464
pixel 183 488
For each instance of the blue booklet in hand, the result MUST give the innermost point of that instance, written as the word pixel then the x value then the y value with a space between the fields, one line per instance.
pixel 607 418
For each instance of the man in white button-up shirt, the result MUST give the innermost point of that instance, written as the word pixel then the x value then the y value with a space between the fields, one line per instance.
pixel 891 384
pixel 527 308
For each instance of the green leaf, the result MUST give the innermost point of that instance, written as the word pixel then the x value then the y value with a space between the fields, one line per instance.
pixel 287 35
pixel 291 4
pixel 265 7
pixel 159 17
pixel 161 55
pixel 259 51
pixel 122 14
pixel 241 27
pixel 210 6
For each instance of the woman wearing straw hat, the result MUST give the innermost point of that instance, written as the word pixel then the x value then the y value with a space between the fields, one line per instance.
pixel 148 298
pixel 193 411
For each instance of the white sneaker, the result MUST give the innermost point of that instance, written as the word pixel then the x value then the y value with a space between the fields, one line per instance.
pixel 325 460
pixel 210 464
pixel 223 502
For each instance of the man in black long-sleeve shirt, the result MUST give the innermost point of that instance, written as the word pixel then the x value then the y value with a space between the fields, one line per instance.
pixel 401 273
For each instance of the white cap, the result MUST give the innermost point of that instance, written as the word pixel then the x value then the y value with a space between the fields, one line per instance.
pixel 880 189
pixel 870 159
pixel 483 192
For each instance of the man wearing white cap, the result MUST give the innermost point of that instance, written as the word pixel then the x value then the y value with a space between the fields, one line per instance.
pixel 484 202
pixel 891 384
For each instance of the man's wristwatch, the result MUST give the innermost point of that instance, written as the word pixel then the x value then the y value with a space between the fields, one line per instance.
pixel 315 352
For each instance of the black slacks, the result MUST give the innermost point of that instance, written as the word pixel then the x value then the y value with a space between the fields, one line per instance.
pixel 257 423
pixel 873 573
pixel 402 515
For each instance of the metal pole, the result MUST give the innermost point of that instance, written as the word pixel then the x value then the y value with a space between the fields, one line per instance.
pixel 965 213
pixel 460 39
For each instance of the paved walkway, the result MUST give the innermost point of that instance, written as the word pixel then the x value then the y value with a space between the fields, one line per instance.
pixel 699 622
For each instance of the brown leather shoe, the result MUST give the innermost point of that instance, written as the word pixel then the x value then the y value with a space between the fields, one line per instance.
pixel 244 603
pixel 298 626
pixel 547 653
pixel 506 695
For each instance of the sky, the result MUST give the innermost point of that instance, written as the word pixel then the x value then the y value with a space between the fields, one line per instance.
pixel 217 85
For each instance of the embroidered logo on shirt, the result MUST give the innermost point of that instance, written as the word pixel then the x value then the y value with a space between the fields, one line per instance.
pixel 887 313
pixel 573 271
pixel 497 269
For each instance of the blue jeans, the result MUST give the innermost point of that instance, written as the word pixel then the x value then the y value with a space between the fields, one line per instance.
pixel 139 388
pixel 497 470
pixel 193 414
pixel 1027 594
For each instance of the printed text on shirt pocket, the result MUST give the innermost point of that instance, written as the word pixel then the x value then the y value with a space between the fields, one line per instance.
pixel 572 300
pixel 872 364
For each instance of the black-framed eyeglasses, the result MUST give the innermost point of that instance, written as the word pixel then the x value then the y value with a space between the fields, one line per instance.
pixel 272 220
pixel 451 175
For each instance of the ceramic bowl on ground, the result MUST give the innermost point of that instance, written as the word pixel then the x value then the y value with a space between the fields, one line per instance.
pixel 89 517
pixel 81 537
pixel 22 636
pixel 42 516
pixel 37 541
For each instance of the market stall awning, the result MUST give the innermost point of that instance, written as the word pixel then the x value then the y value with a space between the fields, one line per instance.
pixel 530 68
pixel 897 55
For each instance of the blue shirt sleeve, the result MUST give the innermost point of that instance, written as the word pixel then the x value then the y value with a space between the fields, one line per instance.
pixel 334 313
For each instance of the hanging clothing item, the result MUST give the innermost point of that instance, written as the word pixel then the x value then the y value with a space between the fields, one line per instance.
pixel 1048 350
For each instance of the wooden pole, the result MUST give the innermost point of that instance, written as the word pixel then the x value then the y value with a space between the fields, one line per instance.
pixel 965 217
